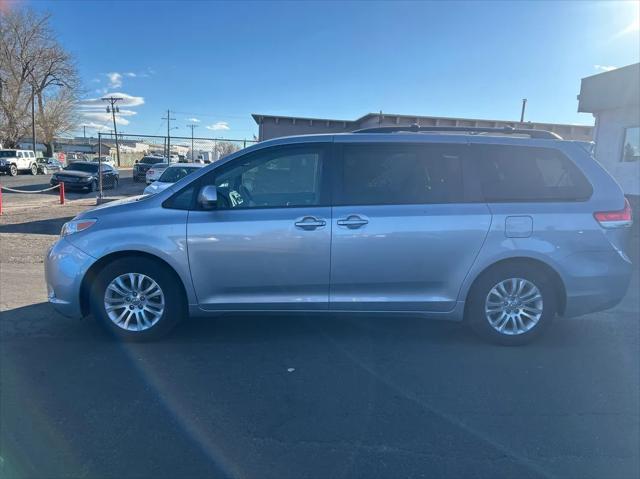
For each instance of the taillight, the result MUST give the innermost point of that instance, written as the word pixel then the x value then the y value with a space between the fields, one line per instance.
pixel 615 219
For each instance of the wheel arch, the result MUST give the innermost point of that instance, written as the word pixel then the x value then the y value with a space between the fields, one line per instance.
pixel 99 265
pixel 528 262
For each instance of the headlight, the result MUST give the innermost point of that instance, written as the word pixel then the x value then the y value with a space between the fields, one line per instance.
pixel 75 226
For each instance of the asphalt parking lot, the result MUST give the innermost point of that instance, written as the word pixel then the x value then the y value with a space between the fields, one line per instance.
pixel 26 182
pixel 303 396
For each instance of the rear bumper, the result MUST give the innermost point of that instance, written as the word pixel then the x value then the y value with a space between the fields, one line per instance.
pixel 595 281
pixel 64 268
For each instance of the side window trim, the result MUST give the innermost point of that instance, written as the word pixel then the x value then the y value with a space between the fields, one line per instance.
pixel 339 162
pixel 209 177
pixel 480 156
pixel 324 187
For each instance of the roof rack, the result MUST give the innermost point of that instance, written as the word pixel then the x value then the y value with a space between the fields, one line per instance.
pixel 507 130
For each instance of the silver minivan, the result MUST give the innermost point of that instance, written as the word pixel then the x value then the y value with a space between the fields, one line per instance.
pixel 504 229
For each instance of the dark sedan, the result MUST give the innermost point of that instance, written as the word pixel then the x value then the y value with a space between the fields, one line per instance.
pixel 141 167
pixel 83 176
pixel 48 165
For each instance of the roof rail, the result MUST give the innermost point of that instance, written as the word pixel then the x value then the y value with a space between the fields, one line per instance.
pixel 507 130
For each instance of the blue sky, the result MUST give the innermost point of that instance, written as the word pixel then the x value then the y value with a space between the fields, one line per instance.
pixel 219 62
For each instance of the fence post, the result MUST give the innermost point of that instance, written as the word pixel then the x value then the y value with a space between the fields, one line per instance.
pixel 61 192
pixel 100 167
pixel 0 200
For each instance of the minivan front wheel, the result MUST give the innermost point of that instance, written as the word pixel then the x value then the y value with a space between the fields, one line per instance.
pixel 136 299
pixel 511 305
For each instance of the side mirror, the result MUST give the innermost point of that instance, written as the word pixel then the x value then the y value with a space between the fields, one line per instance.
pixel 208 197
pixel 137 161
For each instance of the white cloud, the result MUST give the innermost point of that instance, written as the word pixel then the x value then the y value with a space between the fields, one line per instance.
pixel 130 74
pixel 95 126
pixel 115 79
pixel 127 100
pixel 220 125
pixel 604 68
pixel 93 110
pixel 193 120
pixel 103 116
pixel 634 26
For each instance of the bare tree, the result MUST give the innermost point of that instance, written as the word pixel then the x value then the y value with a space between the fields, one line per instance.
pixel 224 148
pixel 32 63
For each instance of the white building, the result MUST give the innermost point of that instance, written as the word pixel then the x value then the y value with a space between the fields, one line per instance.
pixel 614 100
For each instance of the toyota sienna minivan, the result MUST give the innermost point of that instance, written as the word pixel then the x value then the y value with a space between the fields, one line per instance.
pixel 504 229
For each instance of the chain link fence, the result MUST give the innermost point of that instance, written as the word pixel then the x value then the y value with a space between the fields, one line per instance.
pixel 125 149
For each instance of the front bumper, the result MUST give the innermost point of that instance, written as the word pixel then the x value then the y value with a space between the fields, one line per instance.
pixel 72 186
pixel 64 268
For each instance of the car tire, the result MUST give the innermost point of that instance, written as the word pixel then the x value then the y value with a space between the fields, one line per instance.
pixel 136 317
pixel 115 182
pixel 503 305
pixel 45 171
pixel 13 170
pixel 92 187
pixel 33 169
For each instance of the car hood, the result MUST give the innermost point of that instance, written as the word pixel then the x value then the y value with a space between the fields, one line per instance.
pixel 113 204
pixel 156 187
pixel 75 173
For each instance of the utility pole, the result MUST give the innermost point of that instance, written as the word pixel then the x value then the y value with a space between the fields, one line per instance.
pixel 524 105
pixel 113 109
pixel 168 118
pixel 33 117
pixel 84 132
pixel 192 126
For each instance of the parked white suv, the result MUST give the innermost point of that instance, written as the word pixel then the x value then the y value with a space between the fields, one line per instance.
pixel 15 161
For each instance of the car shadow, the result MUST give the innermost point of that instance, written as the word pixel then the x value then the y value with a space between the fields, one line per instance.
pixel 41 320
pixel 49 226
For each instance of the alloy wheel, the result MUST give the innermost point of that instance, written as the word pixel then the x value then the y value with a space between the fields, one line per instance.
pixel 514 306
pixel 134 301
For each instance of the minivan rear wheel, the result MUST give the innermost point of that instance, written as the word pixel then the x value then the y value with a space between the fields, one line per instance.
pixel 511 305
pixel 137 299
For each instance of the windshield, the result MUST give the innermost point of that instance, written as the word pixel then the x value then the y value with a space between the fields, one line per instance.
pixel 7 153
pixel 86 167
pixel 150 160
pixel 175 173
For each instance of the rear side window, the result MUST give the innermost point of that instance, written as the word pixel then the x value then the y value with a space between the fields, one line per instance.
pixel 527 174
pixel 387 174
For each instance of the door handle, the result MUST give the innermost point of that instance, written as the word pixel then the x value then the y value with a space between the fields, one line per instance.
pixel 309 223
pixel 352 222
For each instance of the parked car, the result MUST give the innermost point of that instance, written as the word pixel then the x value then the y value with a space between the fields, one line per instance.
pixel 504 229
pixel 83 176
pixel 48 165
pixel 171 175
pixel 73 157
pixel 140 167
pixel 107 160
pixel 154 172
pixel 13 162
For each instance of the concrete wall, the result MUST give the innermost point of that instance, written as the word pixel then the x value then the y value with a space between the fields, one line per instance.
pixel 609 138
pixel 276 127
